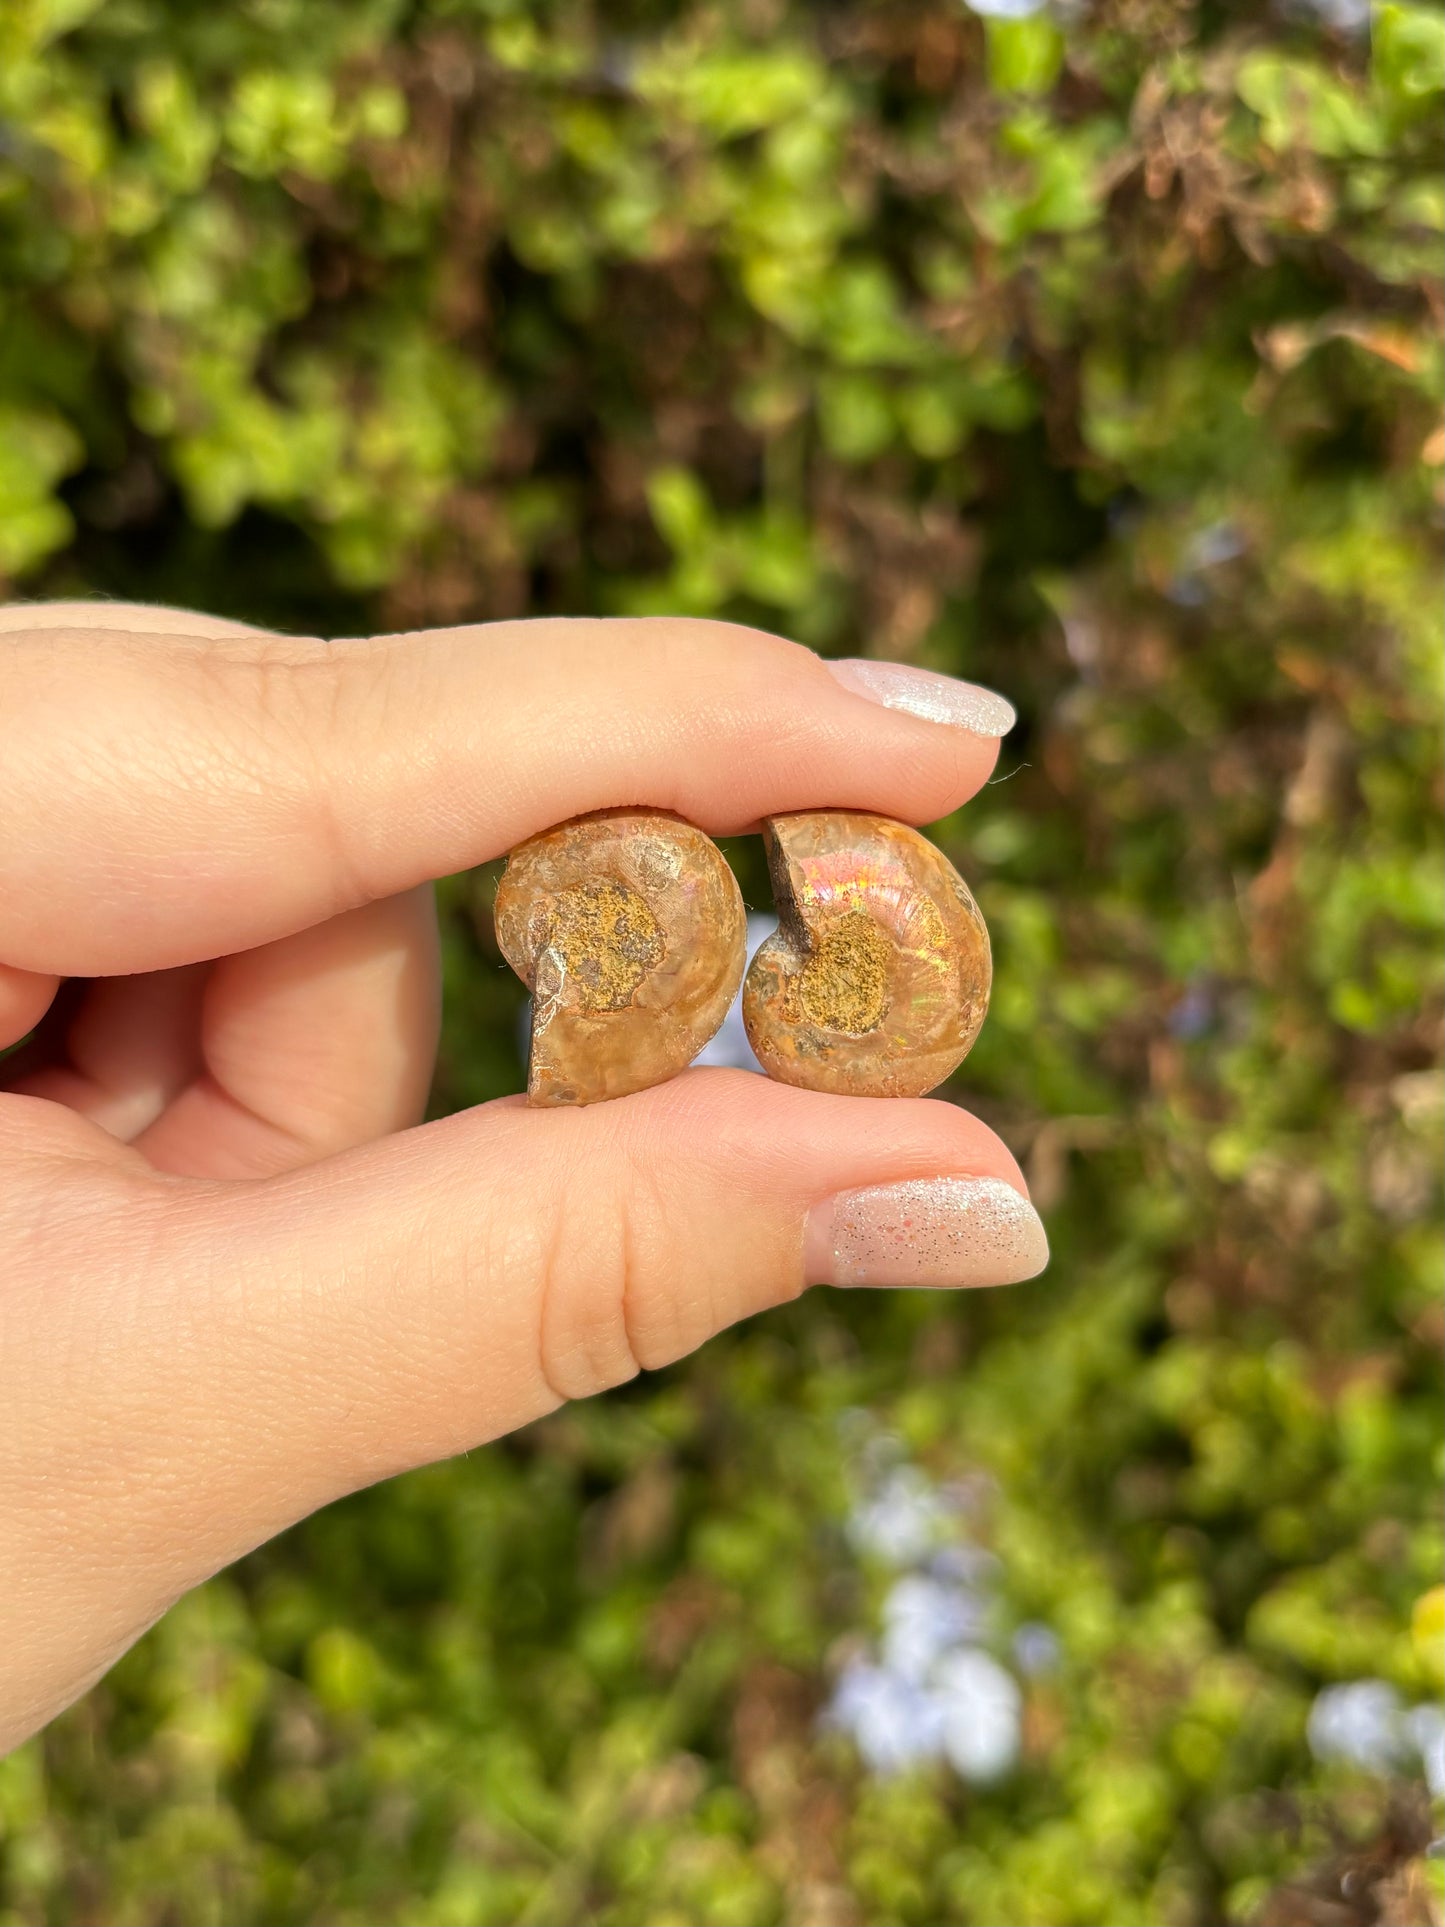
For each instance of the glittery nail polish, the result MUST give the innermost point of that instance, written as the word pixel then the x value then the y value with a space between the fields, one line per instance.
pixel 924 693
pixel 926 1231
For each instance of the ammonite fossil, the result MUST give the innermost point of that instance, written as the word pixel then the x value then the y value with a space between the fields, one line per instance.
pixel 628 928
pixel 877 981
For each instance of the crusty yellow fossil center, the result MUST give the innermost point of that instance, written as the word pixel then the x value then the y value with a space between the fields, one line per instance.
pixel 601 942
pixel 844 984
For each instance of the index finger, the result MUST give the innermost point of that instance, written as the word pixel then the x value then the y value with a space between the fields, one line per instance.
pixel 172 795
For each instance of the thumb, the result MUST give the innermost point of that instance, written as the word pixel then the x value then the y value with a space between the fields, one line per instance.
pixel 277 1344
pixel 419 1296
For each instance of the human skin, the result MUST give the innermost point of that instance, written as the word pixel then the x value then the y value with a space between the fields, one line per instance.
pixel 241 1280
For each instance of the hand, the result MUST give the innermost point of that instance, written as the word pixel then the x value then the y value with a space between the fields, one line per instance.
pixel 240 1279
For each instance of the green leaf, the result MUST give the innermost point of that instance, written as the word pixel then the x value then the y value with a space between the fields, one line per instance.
pixel 679 507
pixel 1408 51
pixel 344 1671
pixel 1303 107
pixel 856 416
pixel 728 92
pixel 37 449
pixel 1024 56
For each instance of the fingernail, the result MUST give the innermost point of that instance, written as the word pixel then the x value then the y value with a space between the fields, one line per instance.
pixel 923 692
pixel 926 1231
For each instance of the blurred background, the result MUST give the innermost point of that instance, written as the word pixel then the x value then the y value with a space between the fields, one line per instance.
pixel 1091 351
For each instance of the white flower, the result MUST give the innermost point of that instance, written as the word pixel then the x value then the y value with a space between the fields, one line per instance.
pixel 902 1522
pixel 892 1722
pixel 1036 1648
pixel 1426 1727
pixel 1345 16
pixel 982 1714
pixel 1362 1723
pixel 924 1618
pixel 1006 9
pixel 931 1693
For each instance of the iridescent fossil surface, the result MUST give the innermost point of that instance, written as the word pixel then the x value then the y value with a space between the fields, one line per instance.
pixel 877 981
pixel 628 928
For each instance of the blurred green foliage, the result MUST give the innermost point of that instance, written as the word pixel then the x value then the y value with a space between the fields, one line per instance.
pixel 1094 354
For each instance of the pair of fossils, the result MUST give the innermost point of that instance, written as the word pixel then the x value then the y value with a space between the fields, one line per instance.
pixel 628 928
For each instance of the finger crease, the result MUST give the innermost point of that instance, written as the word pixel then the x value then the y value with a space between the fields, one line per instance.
pixel 627 1308
pixel 550 1259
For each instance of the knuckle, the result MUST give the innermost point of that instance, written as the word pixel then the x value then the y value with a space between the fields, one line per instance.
pixel 320 710
pixel 693 648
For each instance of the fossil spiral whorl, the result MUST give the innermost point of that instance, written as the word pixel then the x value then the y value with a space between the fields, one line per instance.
pixel 876 983
pixel 628 928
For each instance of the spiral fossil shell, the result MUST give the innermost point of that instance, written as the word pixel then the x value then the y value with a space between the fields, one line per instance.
pixel 876 983
pixel 628 928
